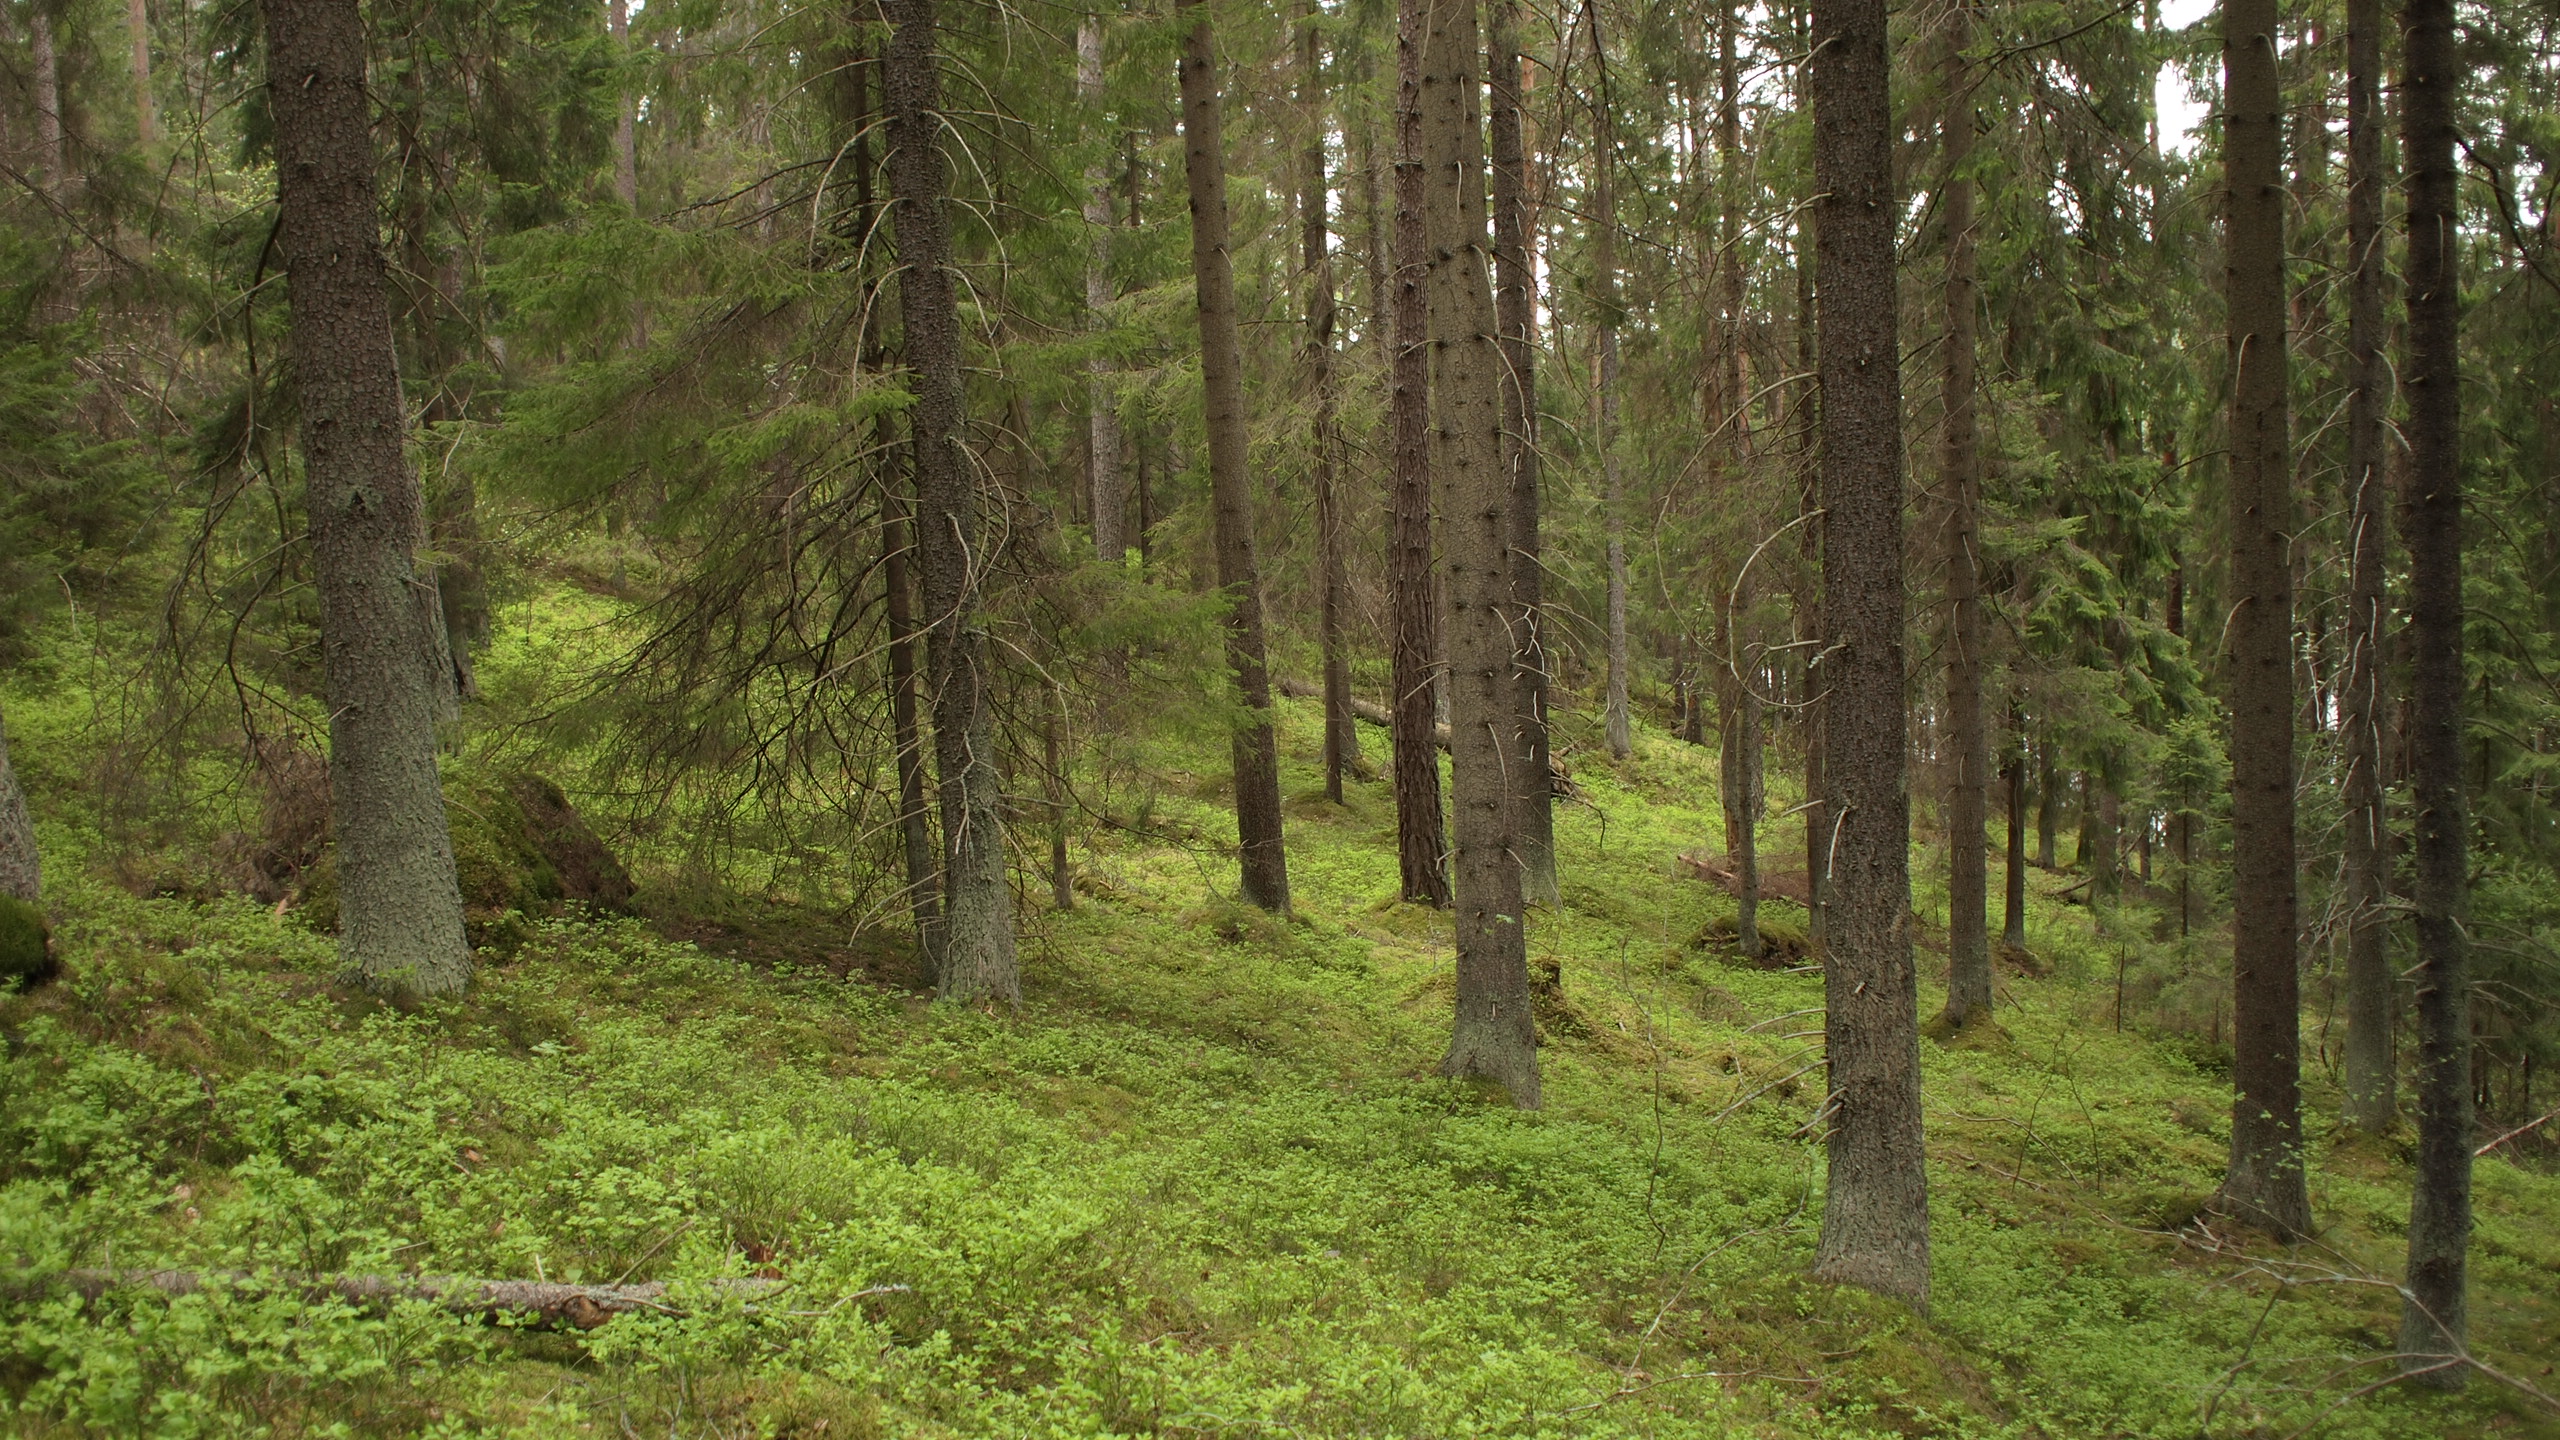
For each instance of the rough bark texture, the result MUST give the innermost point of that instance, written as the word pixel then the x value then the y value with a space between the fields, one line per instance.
pixel 1616 723
pixel 2433 1321
pixel 978 960
pixel 1333 581
pixel 1265 868
pixel 1109 495
pixel 1808 597
pixel 2013 909
pixel 51 154
pixel 1960 485
pixel 1421 850
pixel 1741 723
pixel 1493 1036
pixel 21 869
pixel 2265 1184
pixel 626 150
pixel 2371 1074
pixel 400 910
pixel 1875 1222
pixel 1514 282
pixel 146 115
pixel 915 829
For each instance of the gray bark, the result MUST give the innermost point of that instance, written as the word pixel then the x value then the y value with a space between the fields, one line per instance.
pixel 1875 1222
pixel 146 115
pixel 1333 581
pixel 1421 850
pixel 1110 469
pixel 21 868
pixel 1493 1036
pixel 1616 723
pixel 626 152
pixel 400 911
pixel 1960 481
pixel 52 156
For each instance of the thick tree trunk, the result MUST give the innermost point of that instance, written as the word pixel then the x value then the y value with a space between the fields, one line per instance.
pixel 1514 285
pixel 2371 1071
pixel 1875 1223
pixel 2433 1321
pixel 146 114
pixel 1808 598
pixel 626 119
pixel 978 960
pixel 1960 483
pixel 21 869
pixel 1341 732
pixel 2265 1185
pixel 1617 725
pixel 915 830
pixel 1109 489
pixel 1493 1036
pixel 2013 910
pixel 1421 851
pixel 400 911
pixel 52 156
pixel 1741 721
pixel 1265 866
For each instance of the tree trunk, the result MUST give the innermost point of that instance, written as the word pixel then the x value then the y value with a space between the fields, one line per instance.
pixel 1817 822
pixel 1960 480
pixel 1109 495
pixel 1341 732
pixel 2433 1320
pixel 21 869
pixel 1493 1036
pixel 626 151
pixel 1617 726
pixel 1421 852
pixel 1742 718
pixel 1875 1223
pixel 2265 1184
pixel 1265 867
pixel 400 911
pixel 2013 910
pixel 2048 807
pixel 146 115
pixel 52 156
pixel 2370 1081
pixel 1514 305
pixel 978 960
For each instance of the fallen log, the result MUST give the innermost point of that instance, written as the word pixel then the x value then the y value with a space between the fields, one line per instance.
pixel 1369 710
pixel 543 1303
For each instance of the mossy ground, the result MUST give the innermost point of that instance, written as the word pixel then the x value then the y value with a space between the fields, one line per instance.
pixel 1202 1184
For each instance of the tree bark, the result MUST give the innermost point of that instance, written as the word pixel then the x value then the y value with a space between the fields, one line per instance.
pixel 2013 912
pixel 1493 1036
pixel 2371 1072
pixel 1808 598
pixel 21 868
pixel 626 150
pixel 51 152
pixel 1617 724
pixel 2433 1322
pixel 2265 1184
pixel 1875 1223
pixel 915 831
pixel 1960 480
pixel 1341 733
pixel 978 960
pixel 1264 865
pixel 146 114
pixel 1109 495
pixel 1514 305
pixel 1741 721
pixel 1421 851
pixel 400 910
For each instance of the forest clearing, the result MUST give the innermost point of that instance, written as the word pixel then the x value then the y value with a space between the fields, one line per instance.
pixel 1467 717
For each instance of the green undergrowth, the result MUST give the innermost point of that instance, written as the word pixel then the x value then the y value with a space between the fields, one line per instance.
pixel 1204 1183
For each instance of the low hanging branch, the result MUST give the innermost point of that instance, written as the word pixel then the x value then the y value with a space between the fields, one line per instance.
pixel 544 1304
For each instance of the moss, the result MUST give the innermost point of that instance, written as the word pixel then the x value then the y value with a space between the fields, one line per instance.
pixel 26 945
pixel 513 838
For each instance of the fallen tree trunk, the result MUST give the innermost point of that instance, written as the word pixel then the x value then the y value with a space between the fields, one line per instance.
pixel 543 1303
pixel 1369 710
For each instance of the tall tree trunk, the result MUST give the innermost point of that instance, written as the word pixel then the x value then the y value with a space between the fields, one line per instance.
pixel 1341 729
pixel 1875 1222
pixel 1515 307
pixel 1741 720
pixel 2433 1321
pixel 2013 910
pixel 21 868
pixel 146 114
pixel 2048 807
pixel 1421 852
pixel 1808 599
pixel 915 830
pixel 1493 1036
pixel 1617 725
pixel 2371 1074
pixel 52 156
pixel 400 911
pixel 1265 866
pixel 1109 495
pixel 2265 1184
pixel 1960 481
pixel 626 119
pixel 978 960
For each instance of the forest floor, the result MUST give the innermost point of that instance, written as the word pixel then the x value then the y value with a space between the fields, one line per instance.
pixel 1203 1183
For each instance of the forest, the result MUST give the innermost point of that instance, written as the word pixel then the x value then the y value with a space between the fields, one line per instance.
pixel 1617 718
